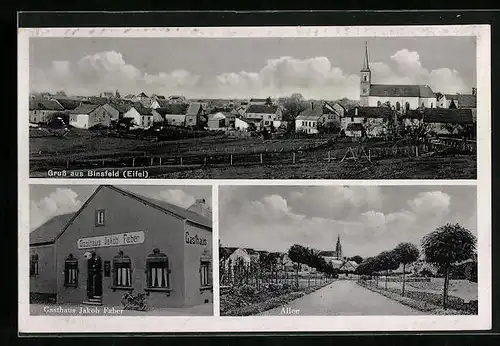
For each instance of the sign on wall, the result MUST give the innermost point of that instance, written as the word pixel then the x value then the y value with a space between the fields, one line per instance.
pixel 121 239
pixel 194 239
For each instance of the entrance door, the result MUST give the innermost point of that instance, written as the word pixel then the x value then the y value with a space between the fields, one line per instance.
pixel 94 277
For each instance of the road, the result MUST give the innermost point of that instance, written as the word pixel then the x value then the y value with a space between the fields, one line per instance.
pixel 343 297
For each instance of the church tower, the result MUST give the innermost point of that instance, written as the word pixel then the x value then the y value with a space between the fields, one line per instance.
pixel 338 249
pixel 366 79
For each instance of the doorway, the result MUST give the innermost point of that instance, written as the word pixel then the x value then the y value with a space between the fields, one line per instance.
pixel 94 278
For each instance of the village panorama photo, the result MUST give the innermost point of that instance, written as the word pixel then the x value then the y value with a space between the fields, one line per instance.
pixel 120 250
pixel 348 250
pixel 253 107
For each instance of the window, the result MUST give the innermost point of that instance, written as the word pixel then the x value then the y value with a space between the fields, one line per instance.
pixel 364 77
pixel 70 271
pixel 99 217
pixel 158 273
pixel 352 119
pixel 398 106
pixel 205 270
pixel 407 106
pixel 34 265
pixel 122 270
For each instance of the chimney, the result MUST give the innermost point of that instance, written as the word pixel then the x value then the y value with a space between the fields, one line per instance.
pixel 474 91
pixel 200 207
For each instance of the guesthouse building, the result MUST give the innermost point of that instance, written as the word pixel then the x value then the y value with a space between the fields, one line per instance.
pixel 119 242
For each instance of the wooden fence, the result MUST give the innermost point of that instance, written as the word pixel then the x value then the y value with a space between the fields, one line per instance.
pixel 237 273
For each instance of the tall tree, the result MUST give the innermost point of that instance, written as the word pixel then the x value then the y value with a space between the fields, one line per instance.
pixel 387 261
pixel 296 253
pixel 446 245
pixel 358 259
pixel 405 253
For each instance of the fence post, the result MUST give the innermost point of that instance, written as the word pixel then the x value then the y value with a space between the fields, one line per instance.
pixel 294 157
pixel 329 156
pixel 181 160
pixel 416 150
pixel 133 162
pixel 151 161
pixel 67 164
pixel 260 158
pixel 204 160
pixel 231 159
pixel 160 161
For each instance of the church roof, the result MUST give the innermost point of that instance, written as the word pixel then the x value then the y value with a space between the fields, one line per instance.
pixel 390 90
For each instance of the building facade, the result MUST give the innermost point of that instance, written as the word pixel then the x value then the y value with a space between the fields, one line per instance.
pixel 402 97
pixel 121 242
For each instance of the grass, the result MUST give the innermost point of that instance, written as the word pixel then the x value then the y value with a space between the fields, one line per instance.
pixel 246 300
pixel 425 300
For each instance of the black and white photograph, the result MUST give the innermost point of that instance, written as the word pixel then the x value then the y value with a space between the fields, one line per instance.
pixel 253 107
pixel 348 250
pixel 120 250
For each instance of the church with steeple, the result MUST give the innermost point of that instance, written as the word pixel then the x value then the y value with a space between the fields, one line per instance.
pixel 335 257
pixel 400 96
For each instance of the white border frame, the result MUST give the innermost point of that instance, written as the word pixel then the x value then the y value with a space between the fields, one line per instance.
pixel 75 324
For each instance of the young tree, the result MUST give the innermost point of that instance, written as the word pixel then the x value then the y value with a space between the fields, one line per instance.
pixel 405 253
pixel 387 261
pixel 446 245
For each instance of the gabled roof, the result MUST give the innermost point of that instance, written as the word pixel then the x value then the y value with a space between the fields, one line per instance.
pixel 467 101
pixel 55 227
pixel 49 231
pixel 97 100
pixel 142 95
pixel 141 109
pixel 370 112
pixel 194 109
pixel 84 108
pixel 48 105
pixel 173 108
pixel 310 114
pixel 389 90
pixel 68 103
pixel 258 100
pixel 443 115
pixel 263 109
pixel 120 107
pixel 327 253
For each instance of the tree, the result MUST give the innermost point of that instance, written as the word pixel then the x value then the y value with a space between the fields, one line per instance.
pixel 446 245
pixel 358 259
pixel 386 261
pixel 405 253
pixel 61 93
pixel 297 254
pixel 269 101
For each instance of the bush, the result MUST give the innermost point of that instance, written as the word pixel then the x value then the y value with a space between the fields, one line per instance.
pixel 247 290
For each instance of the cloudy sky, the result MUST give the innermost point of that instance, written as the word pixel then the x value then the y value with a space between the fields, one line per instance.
pixel 248 67
pixel 369 219
pixel 47 201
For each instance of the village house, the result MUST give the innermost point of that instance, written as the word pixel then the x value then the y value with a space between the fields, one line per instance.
pixel 96 100
pixel 403 97
pixel 194 115
pixel 323 114
pixel 117 109
pixel 458 100
pixel 441 120
pixel 41 111
pixel 373 120
pixel 87 116
pixel 116 243
pixel 242 124
pixel 143 117
pixel 171 114
pixel 266 115
pixel 216 121
pixel 261 102
pixel 239 255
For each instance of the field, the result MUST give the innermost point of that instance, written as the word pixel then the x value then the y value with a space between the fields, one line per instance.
pixel 224 157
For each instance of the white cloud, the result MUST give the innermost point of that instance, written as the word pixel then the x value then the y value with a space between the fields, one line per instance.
pixel 407 69
pixel 430 203
pixel 176 197
pixel 315 77
pixel 61 201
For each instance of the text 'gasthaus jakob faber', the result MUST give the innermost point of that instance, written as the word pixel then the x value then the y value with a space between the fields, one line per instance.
pixel 120 239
